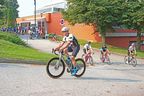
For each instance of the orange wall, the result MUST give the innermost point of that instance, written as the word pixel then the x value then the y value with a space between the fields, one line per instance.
pixel 84 32
pixel 81 31
pixel 54 24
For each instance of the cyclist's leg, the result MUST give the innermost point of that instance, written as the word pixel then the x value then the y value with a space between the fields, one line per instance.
pixel 66 50
pixel 74 54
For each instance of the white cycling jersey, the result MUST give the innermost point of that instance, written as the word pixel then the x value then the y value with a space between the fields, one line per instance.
pixel 72 39
pixel 87 46
pixel 131 48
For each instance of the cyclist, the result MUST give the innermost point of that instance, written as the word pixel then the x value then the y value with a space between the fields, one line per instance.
pixel 87 48
pixel 69 44
pixel 104 51
pixel 131 51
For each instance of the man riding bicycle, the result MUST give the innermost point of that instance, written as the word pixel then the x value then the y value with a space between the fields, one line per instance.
pixel 87 48
pixel 131 51
pixel 104 51
pixel 69 44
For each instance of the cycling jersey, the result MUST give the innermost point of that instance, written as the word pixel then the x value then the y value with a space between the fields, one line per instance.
pixel 74 47
pixel 104 49
pixel 131 48
pixel 87 46
pixel 72 39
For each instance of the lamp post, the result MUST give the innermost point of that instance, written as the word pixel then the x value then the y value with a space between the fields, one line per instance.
pixel 35 16
pixel 41 22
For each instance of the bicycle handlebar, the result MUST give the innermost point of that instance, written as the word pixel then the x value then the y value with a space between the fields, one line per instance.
pixel 54 51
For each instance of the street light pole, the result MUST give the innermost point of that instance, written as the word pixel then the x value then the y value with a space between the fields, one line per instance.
pixel 41 24
pixel 35 14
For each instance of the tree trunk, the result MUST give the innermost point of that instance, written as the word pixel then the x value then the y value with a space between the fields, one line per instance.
pixel 103 39
pixel 138 40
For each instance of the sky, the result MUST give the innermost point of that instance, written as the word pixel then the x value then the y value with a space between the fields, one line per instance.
pixel 26 7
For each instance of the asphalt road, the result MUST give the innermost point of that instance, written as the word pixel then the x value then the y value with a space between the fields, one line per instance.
pixel 117 79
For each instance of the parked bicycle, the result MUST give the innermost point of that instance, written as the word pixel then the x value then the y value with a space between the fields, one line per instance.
pixel 56 66
pixel 88 58
pixel 131 60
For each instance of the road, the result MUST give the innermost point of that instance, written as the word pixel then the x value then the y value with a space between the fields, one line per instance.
pixel 117 79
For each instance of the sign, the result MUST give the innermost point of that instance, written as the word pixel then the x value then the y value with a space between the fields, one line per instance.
pixel 61 21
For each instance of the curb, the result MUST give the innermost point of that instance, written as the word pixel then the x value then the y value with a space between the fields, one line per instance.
pixel 6 60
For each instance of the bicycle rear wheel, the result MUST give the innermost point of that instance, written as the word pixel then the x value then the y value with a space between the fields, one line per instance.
pixel 81 67
pixel 55 68
pixel 133 62
pixel 108 60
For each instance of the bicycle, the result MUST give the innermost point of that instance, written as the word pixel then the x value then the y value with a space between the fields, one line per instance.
pixel 59 64
pixel 131 60
pixel 105 58
pixel 88 58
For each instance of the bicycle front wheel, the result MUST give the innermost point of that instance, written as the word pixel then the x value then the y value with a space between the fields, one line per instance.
pixel 133 62
pixel 55 68
pixel 91 60
pixel 126 59
pixel 81 67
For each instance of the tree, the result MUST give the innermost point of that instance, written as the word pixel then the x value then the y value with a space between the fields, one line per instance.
pixel 103 13
pixel 9 12
pixel 133 18
pixel 99 13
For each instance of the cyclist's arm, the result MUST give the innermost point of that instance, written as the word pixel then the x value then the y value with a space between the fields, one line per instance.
pixel 135 51
pixel 59 46
pixel 108 51
pixel 65 45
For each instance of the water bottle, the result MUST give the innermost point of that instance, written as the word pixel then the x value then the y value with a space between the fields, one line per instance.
pixel 68 60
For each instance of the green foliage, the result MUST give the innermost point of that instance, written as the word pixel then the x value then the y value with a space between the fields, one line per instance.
pixel 9 13
pixel 103 13
pixel 11 37
pixel 99 13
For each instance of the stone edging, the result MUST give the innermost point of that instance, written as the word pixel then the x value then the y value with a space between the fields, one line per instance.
pixel 6 60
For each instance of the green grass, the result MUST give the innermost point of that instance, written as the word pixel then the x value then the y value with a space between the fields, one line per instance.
pixel 13 51
pixel 12 47
pixel 112 49
pixel 11 37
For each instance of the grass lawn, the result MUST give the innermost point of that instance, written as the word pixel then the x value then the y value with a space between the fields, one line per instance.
pixel 112 49
pixel 13 51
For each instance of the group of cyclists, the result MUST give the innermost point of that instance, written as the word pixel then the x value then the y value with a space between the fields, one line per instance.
pixel 71 44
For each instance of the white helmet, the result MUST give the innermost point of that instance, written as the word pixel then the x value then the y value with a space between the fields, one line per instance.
pixel 65 29
pixel 133 44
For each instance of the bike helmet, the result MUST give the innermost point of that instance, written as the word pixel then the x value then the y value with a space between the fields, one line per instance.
pixel 65 29
pixel 89 42
pixel 133 44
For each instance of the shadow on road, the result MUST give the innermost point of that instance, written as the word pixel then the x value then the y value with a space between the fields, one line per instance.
pixel 103 79
pixel 108 79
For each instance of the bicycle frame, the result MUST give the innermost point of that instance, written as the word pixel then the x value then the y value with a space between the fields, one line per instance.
pixel 62 58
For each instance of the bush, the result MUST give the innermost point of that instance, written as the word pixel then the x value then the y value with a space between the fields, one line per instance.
pixel 11 37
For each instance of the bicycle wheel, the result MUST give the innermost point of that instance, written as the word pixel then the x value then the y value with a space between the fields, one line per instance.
pixel 108 60
pixel 81 66
pixel 133 62
pixel 102 58
pixel 55 68
pixel 91 60
pixel 126 59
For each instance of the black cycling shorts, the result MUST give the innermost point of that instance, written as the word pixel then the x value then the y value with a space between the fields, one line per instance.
pixel 74 50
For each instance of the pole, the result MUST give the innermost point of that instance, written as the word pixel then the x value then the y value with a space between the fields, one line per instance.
pixel 41 23
pixel 35 15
